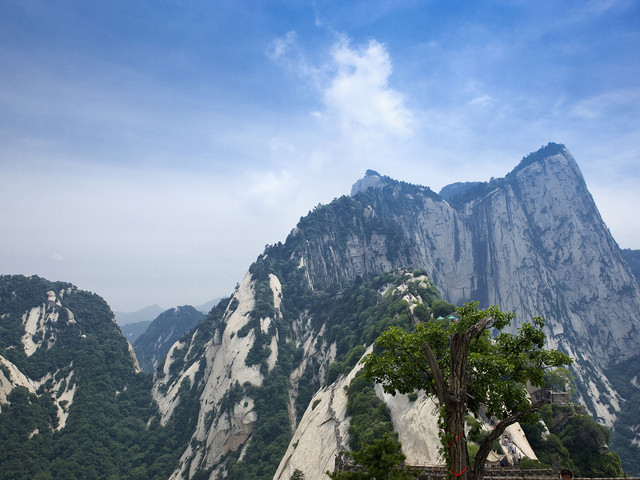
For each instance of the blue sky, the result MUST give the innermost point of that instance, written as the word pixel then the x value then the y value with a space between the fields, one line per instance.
pixel 150 150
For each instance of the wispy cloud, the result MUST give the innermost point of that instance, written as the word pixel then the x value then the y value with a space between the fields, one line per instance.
pixel 280 48
pixel 607 103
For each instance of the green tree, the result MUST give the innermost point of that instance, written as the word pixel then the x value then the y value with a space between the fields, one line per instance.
pixel 297 475
pixel 467 370
pixel 587 441
pixel 561 380
pixel 441 308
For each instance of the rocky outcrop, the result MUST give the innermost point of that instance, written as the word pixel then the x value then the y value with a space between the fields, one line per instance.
pixel 322 435
pixel 226 417
pixel 62 360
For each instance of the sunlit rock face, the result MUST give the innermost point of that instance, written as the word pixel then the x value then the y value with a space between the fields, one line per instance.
pixel 323 431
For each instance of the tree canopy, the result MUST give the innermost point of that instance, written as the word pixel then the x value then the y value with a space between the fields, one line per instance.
pixel 467 370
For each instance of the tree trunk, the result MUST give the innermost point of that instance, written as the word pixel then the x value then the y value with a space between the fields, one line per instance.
pixel 454 397
pixel 456 405
pixel 457 441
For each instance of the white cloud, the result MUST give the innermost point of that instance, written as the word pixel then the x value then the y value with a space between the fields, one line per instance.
pixel 359 96
pixel 354 87
pixel 270 188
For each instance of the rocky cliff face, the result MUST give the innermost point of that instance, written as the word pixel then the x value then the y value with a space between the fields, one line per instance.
pixel 532 242
pixel 633 259
pixel 253 366
pixel 322 434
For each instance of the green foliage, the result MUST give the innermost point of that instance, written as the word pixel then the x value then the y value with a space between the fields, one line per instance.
pixel 587 442
pixel 105 435
pixel 370 416
pixel 528 464
pixel 498 369
pixel 264 306
pixel 625 433
pixel 560 379
pixel 580 444
pixel 472 448
pixel 297 475
pixel 382 459
pixel 544 152
pixel 176 321
pixel 547 448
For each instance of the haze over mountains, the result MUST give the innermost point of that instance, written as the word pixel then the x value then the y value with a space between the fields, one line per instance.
pixel 245 391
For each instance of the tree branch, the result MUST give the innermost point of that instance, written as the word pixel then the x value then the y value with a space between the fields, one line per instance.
pixel 476 329
pixel 413 360
pixel 436 372
pixel 485 448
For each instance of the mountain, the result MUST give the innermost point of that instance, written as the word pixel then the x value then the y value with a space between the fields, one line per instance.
pixel 152 346
pixel 133 330
pixel 532 242
pixel 206 307
pixel 147 314
pixel 256 367
pixel 268 381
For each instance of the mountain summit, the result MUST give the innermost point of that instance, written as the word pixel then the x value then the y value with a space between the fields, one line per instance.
pixel 532 242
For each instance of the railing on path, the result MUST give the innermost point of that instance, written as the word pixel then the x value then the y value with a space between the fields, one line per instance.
pixel 490 473
pixel 498 473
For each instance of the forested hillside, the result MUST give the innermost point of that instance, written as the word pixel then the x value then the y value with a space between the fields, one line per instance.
pixel 76 406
